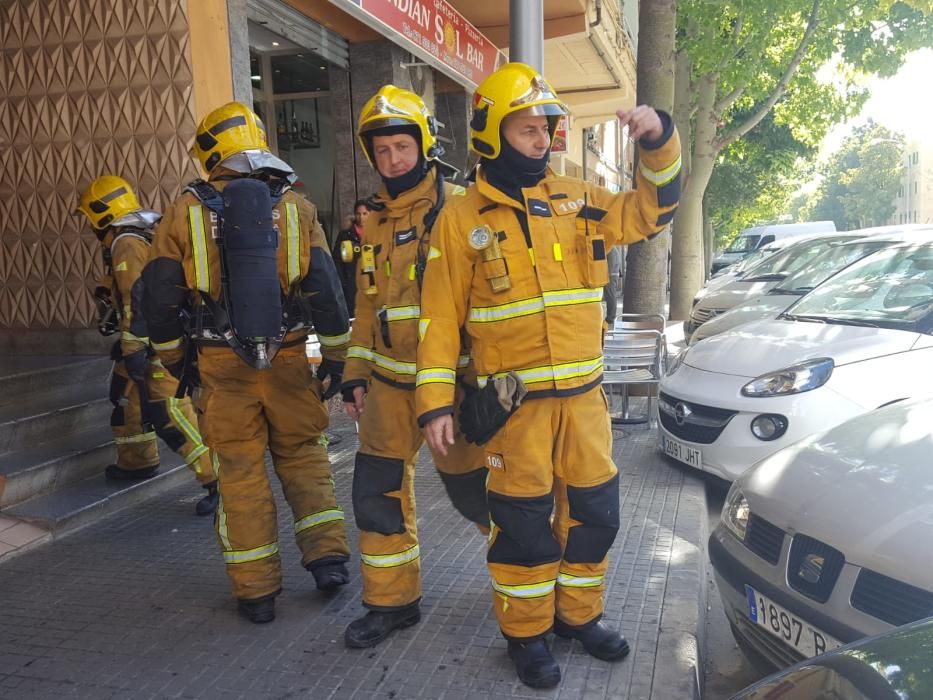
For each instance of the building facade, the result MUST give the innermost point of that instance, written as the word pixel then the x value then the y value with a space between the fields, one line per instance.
pixel 914 200
pixel 90 87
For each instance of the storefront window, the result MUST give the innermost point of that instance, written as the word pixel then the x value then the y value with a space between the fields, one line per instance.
pixel 299 72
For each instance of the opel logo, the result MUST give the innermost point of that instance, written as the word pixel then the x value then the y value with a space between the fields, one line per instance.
pixel 812 568
pixel 682 412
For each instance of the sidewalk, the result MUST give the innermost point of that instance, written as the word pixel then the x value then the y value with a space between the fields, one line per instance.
pixel 138 606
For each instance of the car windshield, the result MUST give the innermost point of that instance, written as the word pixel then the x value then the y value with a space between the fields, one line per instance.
pixel 822 267
pixel 788 260
pixel 743 244
pixel 890 289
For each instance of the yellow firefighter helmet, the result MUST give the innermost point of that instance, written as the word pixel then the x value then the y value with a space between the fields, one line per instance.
pixel 395 106
pixel 513 88
pixel 106 199
pixel 226 131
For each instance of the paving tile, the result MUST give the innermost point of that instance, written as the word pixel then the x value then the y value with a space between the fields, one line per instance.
pixel 21 534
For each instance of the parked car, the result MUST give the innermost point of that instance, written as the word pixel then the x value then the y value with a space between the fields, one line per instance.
pixel 893 666
pixel 831 539
pixel 860 340
pixel 751 239
pixel 759 278
pixel 836 258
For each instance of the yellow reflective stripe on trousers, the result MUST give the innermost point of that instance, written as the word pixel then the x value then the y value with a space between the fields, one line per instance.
pixel 221 513
pixel 361 353
pixel 133 439
pixel 659 178
pixel 387 561
pixel 182 421
pixel 331 341
pixel 525 590
pixel 202 270
pixel 319 518
pixel 194 456
pixel 527 307
pixel 436 375
pixel 167 345
pixel 548 373
pixel 578 581
pixel 242 556
pixel 403 313
pixel 293 228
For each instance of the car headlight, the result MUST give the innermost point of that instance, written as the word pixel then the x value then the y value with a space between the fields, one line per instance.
pixel 806 376
pixel 735 512
pixel 675 363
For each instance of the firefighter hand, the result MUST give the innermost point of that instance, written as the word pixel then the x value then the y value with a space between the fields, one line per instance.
pixel 330 369
pixel 137 364
pixel 643 122
pixel 439 433
pixel 354 408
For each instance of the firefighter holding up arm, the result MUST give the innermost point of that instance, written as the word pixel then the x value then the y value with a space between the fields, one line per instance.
pixel 520 262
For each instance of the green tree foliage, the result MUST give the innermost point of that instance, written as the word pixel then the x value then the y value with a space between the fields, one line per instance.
pixel 859 181
pixel 754 179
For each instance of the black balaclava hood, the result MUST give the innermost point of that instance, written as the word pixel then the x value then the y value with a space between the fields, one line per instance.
pixel 510 171
pixel 396 185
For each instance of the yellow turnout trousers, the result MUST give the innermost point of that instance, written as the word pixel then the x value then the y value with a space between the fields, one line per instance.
pixel 241 411
pixel 552 458
pixel 384 494
pixel 172 419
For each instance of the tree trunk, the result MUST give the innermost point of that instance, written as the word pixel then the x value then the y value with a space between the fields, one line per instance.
pixel 687 274
pixel 709 242
pixel 646 263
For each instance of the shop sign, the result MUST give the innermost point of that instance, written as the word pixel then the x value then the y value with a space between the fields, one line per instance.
pixel 560 143
pixel 435 31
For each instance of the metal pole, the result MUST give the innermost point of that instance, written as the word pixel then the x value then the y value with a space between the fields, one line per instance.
pixel 526 32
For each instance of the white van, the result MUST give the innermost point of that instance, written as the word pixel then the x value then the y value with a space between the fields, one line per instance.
pixel 752 239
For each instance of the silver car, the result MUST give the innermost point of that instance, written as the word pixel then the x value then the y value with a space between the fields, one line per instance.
pixel 831 539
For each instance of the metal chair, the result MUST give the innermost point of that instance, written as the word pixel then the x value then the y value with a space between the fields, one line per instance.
pixel 634 352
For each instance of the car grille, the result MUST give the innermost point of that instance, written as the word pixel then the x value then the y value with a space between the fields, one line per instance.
pixel 889 599
pixel 703 425
pixel 813 567
pixel 771 648
pixel 699 316
pixel 764 539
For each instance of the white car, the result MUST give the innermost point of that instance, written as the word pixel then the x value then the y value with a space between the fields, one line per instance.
pixel 861 340
pixel 831 540
pixel 758 279
pixel 817 271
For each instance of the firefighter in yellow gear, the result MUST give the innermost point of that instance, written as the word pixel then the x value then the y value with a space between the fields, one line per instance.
pixel 141 390
pixel 245 257
pixel 398 136
pixel 520 262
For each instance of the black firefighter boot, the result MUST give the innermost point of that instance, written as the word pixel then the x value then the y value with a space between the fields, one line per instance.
pixel 535 666
pixel 375 626
pixel 208 504
pixel 329 575
pixel 257 610
pixel 597 639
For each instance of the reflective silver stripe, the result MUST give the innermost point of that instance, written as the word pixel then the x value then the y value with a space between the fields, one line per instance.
pixel 330 341
pixel 319 518
pixel 386 561
pixel 579 581
pixel 436 375
pixel 241 556
pixel 526 590
pixel 202 270
pixel 661 177
pixel 463 361
pixel 359 352
pixel 569 370
pixel 133 439
pixel 403 313
pixel 293 226
pixel 195 455
pixel 167 345
pixel 527 307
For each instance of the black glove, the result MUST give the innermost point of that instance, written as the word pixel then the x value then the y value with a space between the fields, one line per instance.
pixel 137 365
pixel 484 411
pixel 334 370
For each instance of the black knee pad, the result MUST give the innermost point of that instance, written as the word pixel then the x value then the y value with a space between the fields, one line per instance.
pixel 172 436
pixel 117 418
pixel 157 414
pixel 373 477
pixel 596 508
pixel 117 387
pixel 467 493
pixel 525 535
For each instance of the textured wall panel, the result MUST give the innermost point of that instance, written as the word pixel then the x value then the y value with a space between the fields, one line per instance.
pixel 86 87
